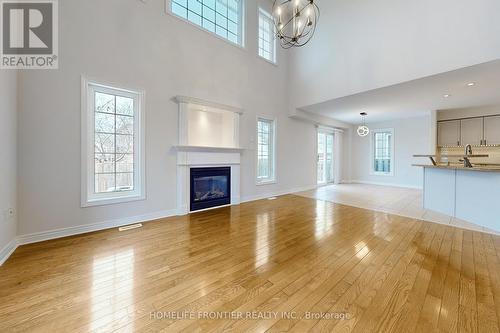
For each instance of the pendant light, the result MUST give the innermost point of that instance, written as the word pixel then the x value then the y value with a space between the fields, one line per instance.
pixel 295 21
pixel 363 130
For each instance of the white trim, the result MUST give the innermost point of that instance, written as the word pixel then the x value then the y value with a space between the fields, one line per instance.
pixel 201 102
pixel 383 184
pixel 82 229
pixel 326 131
pixel 87 167
pixel 256 197
pixel 263 12
pixel 307 118
pixel 208 149
pixel 372 152
pixel 266 182
pixel 265 60
pixel 7 250
pixel 241 38
pixel 274 178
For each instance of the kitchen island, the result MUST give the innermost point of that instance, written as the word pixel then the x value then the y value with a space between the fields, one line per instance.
pixel 469 194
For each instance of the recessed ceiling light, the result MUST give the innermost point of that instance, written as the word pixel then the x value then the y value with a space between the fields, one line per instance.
pixel 446 95
pixel 471 84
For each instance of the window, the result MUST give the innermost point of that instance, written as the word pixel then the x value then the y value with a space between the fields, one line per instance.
pixel 112 145
pixel 265 151
pixel 382 152
pixel 221 17
pixel 325 157
pixel 267 42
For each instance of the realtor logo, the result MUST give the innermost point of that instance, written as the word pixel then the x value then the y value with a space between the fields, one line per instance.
pixel 29 34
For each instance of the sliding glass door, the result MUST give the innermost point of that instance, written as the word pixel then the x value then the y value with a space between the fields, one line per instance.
pixel 325 158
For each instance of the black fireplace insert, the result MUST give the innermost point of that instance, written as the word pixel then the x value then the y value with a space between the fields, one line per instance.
pixel 210 187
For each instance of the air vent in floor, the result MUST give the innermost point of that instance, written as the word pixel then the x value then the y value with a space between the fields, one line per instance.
pixel 130 227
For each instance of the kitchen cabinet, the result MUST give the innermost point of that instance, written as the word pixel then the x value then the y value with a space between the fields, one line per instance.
pixel 471 132
pixel 449 133
pixel 492 130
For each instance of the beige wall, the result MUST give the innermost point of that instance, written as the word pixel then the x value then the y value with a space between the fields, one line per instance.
pixel 411 136
pixel 137 44
pixel 8 157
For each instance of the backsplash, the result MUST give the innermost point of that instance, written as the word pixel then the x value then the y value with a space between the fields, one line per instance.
pixel 492 151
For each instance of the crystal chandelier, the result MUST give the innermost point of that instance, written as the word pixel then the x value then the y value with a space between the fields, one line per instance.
pixel 295 21
pixel 363 130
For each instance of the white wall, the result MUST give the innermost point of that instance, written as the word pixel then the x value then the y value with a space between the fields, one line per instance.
pixel 411 136
pixel 137 45
pixel 8 157
pixel 363 45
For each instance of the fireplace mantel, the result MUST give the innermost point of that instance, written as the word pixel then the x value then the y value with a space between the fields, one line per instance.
pixel 198 101
pixel 208 137
pixel 181 148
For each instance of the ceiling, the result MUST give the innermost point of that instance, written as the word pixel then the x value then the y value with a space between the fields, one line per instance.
pixel 418 97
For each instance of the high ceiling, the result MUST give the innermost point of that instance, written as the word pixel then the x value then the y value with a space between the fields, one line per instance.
pixel 418 97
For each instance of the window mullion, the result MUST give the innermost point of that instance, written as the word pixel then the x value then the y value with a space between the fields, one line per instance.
pixel 115 144
pixel 220 29
pixel 102 179
pixel 269 152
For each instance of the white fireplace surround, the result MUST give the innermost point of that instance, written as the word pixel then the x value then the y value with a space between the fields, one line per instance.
pixel 208 137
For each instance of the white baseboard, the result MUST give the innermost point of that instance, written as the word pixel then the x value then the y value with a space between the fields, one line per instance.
pixel 385 184
pixel 277 193
pixel 7 251
pixel 71 231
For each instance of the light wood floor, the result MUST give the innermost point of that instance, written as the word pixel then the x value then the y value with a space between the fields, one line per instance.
pixel 363 271
pixel 388 199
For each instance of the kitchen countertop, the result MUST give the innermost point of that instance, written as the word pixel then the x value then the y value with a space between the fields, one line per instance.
pixel 490 168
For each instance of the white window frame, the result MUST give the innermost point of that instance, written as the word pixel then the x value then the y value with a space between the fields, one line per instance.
pixel 372 152
pixel 327 131
pixel 265 13
pixel 241 32
pixel 273 178
pixel 88 197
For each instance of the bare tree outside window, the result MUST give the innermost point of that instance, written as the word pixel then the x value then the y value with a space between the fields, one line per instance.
pixel 113 143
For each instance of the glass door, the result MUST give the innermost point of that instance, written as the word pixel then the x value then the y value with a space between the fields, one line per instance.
pixel 325 158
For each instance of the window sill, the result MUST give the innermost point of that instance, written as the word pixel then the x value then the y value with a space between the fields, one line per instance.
pixel 387 174
pixel 266 182
pixel 274 63
pixel 112 201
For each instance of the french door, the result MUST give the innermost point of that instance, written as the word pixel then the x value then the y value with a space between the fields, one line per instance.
pixel 325 158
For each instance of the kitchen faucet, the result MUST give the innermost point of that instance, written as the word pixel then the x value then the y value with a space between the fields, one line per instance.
pixel 468 150
pixel 466 160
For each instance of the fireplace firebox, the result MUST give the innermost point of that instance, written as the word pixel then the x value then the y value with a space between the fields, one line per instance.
pixel 210 187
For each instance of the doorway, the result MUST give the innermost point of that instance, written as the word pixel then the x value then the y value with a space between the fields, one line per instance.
pixel 325 157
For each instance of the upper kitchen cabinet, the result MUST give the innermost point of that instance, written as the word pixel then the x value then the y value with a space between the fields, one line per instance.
pixel 471 131
pixel 492 130
pixel 449 133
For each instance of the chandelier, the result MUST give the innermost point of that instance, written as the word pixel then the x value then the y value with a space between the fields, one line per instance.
pixel 363 130
pixel 295 21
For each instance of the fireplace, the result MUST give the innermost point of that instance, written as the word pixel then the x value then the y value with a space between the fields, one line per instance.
pixel 210 187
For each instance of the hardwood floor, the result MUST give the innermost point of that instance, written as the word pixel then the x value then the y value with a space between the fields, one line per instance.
pixel 292 264
pixel 402 201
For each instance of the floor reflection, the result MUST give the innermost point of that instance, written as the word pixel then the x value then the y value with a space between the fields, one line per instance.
pixel 361 250
pixel 262 240
pixel 112 287
pixel 324 220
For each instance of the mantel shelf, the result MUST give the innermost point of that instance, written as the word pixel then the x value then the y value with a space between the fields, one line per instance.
pixel 210 104
pixel 208 149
